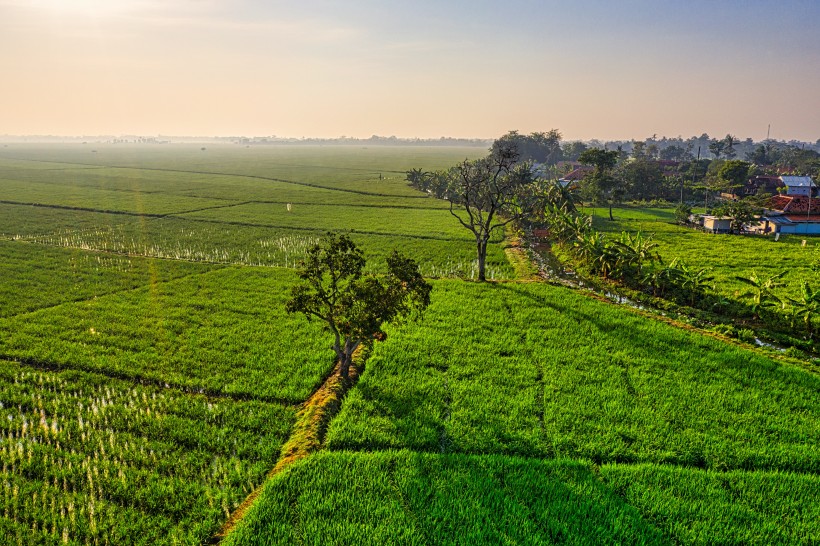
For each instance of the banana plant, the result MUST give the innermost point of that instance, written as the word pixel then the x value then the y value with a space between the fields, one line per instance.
pixel 633 251
pixel 762 290
pixel 589 246
pixel 568 227
pixel 807 306
pixel 694 281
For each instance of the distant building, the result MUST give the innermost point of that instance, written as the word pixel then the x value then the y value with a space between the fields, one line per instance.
pixel 571 179
pixel 710 223
pixel 799 185
pixel 764 184
pixel 540 170
pixel 798 214
pixel 716 224
pixel 567 166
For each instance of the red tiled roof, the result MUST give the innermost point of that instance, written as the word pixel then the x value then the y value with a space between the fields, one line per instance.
pixel 779 202
pixel 795 204
pixel 577 174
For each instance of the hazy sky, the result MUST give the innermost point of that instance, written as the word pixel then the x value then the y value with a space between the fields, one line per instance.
pixel 414 68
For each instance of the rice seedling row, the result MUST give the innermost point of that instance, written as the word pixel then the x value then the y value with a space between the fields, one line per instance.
pixel 88 459
pixel 37 276
pixel 219 332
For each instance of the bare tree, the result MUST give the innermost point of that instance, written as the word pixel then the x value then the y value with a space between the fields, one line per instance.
pixel 487 194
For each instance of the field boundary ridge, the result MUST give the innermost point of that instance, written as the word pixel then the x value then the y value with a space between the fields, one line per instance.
pixel 308 432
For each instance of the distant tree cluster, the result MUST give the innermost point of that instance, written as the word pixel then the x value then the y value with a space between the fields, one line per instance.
pixel 538 147
pixel 661 168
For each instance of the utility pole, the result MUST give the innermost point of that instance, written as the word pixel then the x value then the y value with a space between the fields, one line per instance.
pixel 697 166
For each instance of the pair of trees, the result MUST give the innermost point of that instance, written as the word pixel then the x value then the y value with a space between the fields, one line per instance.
pixel 484 195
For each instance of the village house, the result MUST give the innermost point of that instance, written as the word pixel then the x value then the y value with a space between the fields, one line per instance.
pixel 764 184
pixel 572 178
pixel 793 213
pixel 710 223
pixel 799 185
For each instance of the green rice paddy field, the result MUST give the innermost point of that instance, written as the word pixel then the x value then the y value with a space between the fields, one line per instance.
pixel 149 375
pixel 728 256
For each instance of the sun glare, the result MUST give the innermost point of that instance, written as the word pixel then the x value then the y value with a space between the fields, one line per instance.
pixel 91 8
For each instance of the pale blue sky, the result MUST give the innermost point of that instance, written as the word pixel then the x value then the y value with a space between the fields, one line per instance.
pixel 593 69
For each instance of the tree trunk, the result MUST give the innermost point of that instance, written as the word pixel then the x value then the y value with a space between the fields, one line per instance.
pixel 611 219
pixel 482 259
pixel 344 364
pixel 342 353
pixel 346 357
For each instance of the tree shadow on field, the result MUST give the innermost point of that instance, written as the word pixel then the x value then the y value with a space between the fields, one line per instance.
pixel 640 337
pixel 571 312
pixel 492 499
pixel 383 417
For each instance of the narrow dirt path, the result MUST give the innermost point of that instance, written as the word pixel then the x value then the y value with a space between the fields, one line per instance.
pixel 308 433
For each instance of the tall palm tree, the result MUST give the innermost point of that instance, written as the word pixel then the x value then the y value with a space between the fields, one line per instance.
pixel 729 146
pixel 717 147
